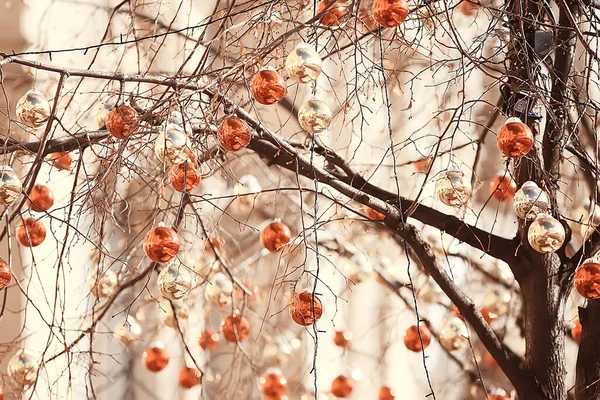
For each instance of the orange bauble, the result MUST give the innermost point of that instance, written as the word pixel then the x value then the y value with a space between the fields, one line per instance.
pixel 4 274
pixel 208 340
pixel 423 164
pixel 268 86
pixel 235 327
pixel 302 311
pixel 275 235
pixel 273 384
pixel 498 397
pixel 386 393
pixel 503 188
pixel 515 139
pixel 469 7
pixel 161 244
pixel 61 160
pixel 122 121
pixel 373 214
pixel 488 315
pixel 32 233
pixel 155 359
pixel 189 377
pixel 335 15
pixel 390 13
pixel 412 341
pixel 342 386
pixel 41 198
pixel 234 134
pixel 576 331
pixel 587 279
pixel 1 393
pixel 342 338
pixel 184 172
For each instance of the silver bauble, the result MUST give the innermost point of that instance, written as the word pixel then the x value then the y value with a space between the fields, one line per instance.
pixel 546 234
pixel 10 185
pixel 128 332
pixel 23 368
pixel 303 64
pixel 102 283
pixel 172 144
pixel 219 291
pixel 453 188
pixel 33 109
pixel 174 282
pixel 314 116
pixel 530 200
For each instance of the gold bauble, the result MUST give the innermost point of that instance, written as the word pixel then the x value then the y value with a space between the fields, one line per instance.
pixel 454 335
pixel 172 144
pixel 10 185
pixel 453 188
pixel 33 109
pixel 128 332
pixel 530 200
pixel 219 291
pixel 102 283
pixel 174 282
pixel 314 116
pixel 23 368
pixel 546 234
pixel 303 64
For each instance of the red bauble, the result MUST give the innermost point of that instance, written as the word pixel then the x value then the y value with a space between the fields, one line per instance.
pixel 576 331
pixel 386 393
pixel 412 341
pixel 32 233
pixel 515 139
pixel 587 280
pixel 273 384
pixel 390 13
pixel 235 327
pixel 122 121
pixel 342 386
pixel 155 359
pixel 5 275
pixel 234 134
pixel 498 397
pixel 503 188
pixel 61 160
pixel 275 235
pixel 189 377
pixel 469 7
pixel 301 309
pixel 423 164
pixel 1 393
pixel 161 244
pixel 268 86
pixel 335 15
pixel 41 198
pixel 488 315
pixel 208 340
pixel 373 214
pixel 184 172
pixel 342 338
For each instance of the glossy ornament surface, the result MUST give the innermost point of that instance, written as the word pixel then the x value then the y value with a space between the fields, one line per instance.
pixel 386 393
pixel 453 188
pixel 275 236
pixel 335 15
pixel 515 139
pixel 234 134
pixel 5 275
pixel 235 327
pixel 423 164
pixel 186 172
pixel 208 340
pixel 31 233
pixel 489 315
pixel 342 338
pixel 342 386
pixel 530 200
pixel 303 64
pixel 273 383
pixel 189 377
pixel 304 310
pixel 373 214
pixel 161 244
pixel 576 331
pixel 174 282
pixel 469 7
pixel 172 144
pixel 268 86
pixel 454 335
pixel 390 13
pixel 412 340
pixel 314 116
pixel 102 283
pixel 102 112
pixel 23 368
pixel 61 161
pixel 122 121
pixel 128 332
pixel 155 358
pixel 503 187
pixel 10 185
pixel 587 279
pixel 546 234
pixel 219 291
pixel 41 198
pixel 33 109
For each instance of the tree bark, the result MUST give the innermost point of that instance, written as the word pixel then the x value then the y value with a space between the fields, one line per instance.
pixel 587 385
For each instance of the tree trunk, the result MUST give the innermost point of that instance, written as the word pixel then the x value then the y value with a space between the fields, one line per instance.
pixel 587 385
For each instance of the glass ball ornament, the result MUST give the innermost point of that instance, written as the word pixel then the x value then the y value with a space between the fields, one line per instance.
pixel 423 164
pixel 172 144
pixel 306 308
pixel 386 393
pixel 234 134
pixel 41 198
pixel 530 200
pixel 303 64
pixel 412 340
pixel 33 109
pixel 208 340
pixel 587 278
pixel 275 235
pixel 219 291
pixel 174 282
pixel 102 284
pixel 342 338
pixel 342 386
pixel 5 275
pixel 453 188
pixel 161 244
pixel 314 116
pixel 23 368
pixel 503 187
pixel 155 358
pixel 189 377
pixel 10 185
pixel 515 139
pixel 273 384
pixel 469 7
pixel 373 214
pixel 187 174
pixel 335 15
pixel 235 328
pixel 546 234
pixel 128 332
pixel 61 161
pixel 31 233
pixel 454 335
pixel 390 13
pixel 122 121
pixel 268 86
pixel 488 315
pixel 102 112
pixel 576 331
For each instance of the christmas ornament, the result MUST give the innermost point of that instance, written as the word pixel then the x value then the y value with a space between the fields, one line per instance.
pixel 234 134
pixel 1 393
pixel 129 332
pixel 122 121
pixel 502 187
pixel 342 386
pixel 102 283
pixel 5 275
pixel 373 214
pixel 454 335
pixel 390 13
pixel 172 144
pixel 386 393
pixel 41 198
pixel 303 64
pixel 412 340
pixel 161 244
pixel 275 235
pixel 576 331
pixel 33 109
pixel 208 340
pixel 453 188
pixel 587 278
pixel 31 233
pixel 23 368
pixel 156 358
pixel 423 164
pixel 268 86
pixel 186 172
pixel 189 377
pixel 546 234
pixel 273 383
pixel 61 161
pixel 515 139
pixel 335 15
pixel 530 200
pixel 469 7
pixel 174 281
pixel 342 338
pixel 102 112
pixel 219 291
pixel 498 394
pixel 10 185
pixel 306 309
pixel 314 116
pixel 488 315
pixel 235 327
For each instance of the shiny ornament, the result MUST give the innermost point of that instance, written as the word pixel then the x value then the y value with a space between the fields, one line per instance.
pixel 102 283
pixel 235 327
pixel 503 187
pixel 386 393
pixel 23 368
pixel 453 188
pixel 342 338
pixel 469 7
pixel 129 332
pixel 155 358
pixel 219 291
pixel 273 383
pixel 412 340
pixel 454 335
pixel 530 200
pixel 234 134
pixel 122 121
pixel 303 64
pixel 41 198
pixel 373 214
pixel 390 13
pixel 172 144
pixel 587 279
pixel 489 315
pixel 314 116
pixel 31 233
pixel 189 377
pixel 342 386
pixel 5 275
pixel 61 161
pixel 498 394
pixel 576 331
pixel 1 393
pixel 33 109
pixel 10 185
pixel 275 236
pixel 208 340
pixel 515 139
pixel 161 244
pixel 306 309
pixel 335 15
pixel 268 86
pixel 423 164
pixel 174 282
pixel 186 172
pixel 546 234
pixel 102 112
